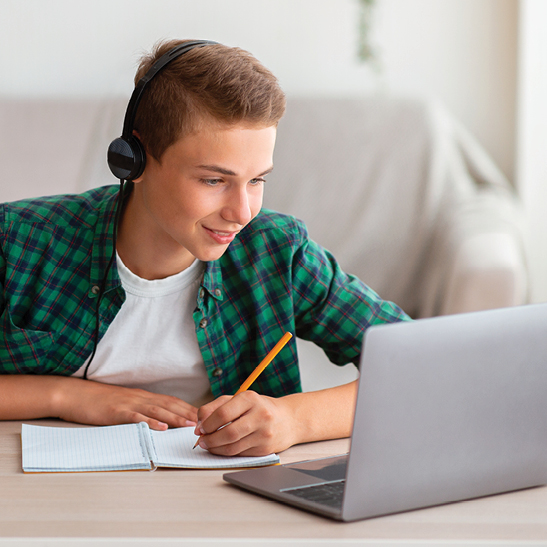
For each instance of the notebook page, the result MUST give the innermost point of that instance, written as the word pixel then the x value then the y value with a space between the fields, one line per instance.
pixel 54 449
pixel 174 448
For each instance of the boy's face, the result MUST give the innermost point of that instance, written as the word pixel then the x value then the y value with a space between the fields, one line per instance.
pixel 206 188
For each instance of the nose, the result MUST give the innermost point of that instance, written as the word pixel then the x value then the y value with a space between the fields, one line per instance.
pixel 237 208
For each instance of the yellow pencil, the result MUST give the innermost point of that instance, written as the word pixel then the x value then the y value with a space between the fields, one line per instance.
pixel 263 364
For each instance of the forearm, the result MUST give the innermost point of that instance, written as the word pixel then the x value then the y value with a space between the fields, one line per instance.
pixel 26 397
pixel 322 415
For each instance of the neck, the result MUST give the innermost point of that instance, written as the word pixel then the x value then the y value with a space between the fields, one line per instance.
pixel 143 252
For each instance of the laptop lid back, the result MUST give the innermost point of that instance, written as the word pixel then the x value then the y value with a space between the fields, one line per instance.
pixel 449 408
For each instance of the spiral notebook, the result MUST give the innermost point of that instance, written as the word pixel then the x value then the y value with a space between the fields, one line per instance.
pixel 121 448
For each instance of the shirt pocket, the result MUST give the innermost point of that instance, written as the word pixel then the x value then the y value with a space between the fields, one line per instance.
pixel 24 351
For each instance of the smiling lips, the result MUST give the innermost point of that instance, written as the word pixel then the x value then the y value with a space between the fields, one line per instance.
pixel 223 238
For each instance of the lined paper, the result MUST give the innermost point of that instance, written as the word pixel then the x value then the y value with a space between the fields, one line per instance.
pixel 118 448
pixel 50 449
pixel 174 448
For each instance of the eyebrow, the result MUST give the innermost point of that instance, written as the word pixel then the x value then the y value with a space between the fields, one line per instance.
pixel 228 172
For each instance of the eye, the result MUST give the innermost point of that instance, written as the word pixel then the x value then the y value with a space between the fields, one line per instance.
pixel 257 181
pixel 211 182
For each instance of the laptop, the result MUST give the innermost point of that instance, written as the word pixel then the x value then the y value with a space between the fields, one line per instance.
pixel 448 408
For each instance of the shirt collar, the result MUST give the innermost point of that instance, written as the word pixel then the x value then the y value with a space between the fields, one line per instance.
pixel 212 279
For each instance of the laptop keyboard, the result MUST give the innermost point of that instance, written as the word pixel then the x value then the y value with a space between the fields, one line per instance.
pixel 327 493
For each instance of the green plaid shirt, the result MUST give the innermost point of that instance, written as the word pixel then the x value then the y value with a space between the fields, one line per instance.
pixel 272 279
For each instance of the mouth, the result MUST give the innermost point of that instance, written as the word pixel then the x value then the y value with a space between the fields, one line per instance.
pixel 221 237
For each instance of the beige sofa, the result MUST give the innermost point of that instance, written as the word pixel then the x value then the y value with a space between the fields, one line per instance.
pixel 396 188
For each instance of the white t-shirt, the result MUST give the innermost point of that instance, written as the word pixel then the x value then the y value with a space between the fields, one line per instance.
pixel 152 342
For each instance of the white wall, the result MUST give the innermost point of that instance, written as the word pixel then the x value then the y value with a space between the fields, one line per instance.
pixel 460 51
pixel 463 52
pixel 532 136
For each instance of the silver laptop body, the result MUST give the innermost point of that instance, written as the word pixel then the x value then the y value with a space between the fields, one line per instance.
pixel 448 408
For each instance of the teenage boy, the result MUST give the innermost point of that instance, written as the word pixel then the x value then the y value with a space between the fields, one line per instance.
pixel 203 282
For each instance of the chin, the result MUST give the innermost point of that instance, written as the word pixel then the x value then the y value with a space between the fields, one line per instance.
pixel 211 255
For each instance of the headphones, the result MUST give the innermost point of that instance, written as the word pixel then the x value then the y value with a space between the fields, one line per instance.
pixel 126 156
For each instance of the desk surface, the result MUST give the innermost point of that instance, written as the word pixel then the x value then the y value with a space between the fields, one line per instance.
pixel 173 503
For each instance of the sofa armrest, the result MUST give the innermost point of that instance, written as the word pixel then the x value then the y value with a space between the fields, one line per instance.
pixel 488 271
pixel 477 256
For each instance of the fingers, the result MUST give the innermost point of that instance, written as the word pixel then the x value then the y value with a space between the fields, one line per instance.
pixel 157 415
pixel 135 417
pixel 247 424
pixel 224 410
pixel 158 411
pixel 95 403
pixel 171 410
pixel 251 445
pixel 207 410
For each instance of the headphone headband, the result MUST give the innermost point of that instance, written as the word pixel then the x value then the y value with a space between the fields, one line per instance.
pixel 126 156
pixel 140 86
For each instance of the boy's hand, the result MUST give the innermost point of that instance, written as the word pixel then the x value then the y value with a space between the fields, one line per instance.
pixel 247 425
pixel 89 402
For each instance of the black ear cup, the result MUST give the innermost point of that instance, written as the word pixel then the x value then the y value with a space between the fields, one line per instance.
pixel 126 158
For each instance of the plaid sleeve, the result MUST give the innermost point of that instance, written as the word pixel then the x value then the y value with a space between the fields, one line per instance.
pixel 2 263
pixel 332 308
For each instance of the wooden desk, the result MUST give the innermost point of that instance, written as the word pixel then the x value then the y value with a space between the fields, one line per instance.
pixel 186 505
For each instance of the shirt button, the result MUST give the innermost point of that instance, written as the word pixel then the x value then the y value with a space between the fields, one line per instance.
pixel 203 323
pixel 95 289
pixel 202 292
pixel 217 372
pixel 218 292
